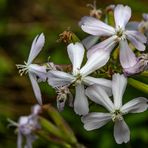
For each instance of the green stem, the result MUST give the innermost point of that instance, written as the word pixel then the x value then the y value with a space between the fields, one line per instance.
pixel 62 125
pixel 145 73
pixel 138 85
pixel 49 127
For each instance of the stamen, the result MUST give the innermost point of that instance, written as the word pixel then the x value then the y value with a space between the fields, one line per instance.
pixel 117 115
pixel 93 6
pixel 22 68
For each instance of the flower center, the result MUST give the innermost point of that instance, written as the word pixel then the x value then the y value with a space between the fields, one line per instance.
pixel 23 68
pixel 117 115
pixel 78 79
pixel 120 33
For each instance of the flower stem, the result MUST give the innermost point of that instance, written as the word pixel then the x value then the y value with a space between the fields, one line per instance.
pixel 138 85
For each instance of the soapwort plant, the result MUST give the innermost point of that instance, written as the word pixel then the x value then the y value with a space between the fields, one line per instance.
pixel 99 76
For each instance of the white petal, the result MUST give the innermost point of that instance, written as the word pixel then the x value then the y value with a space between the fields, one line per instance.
pixel 89 41
pixel 132 26
pixel 145 16
pixel 80 102
pixel 29 141
pixel 137 39
pixel 107 44
pixel 39 71
pixel 137 68
pixel 96 27
pixel 119 83
pixel 101 81
pixel 96 61
pixel 122 14
pixel 95 120
pixel 138 45
pixel 127 56
pixel 99 96
pixel 136 105
pixel 35 87
pixel 104 83
pixel 36 47
pixel 137 35
pixel 19 139
pixel 76 54
pixel 23 120
pixel 58 78
pixel 121 132
pixel 36 109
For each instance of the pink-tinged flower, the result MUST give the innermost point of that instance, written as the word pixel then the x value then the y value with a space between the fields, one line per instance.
pixel 79 76
pixel 34 71
pixel 25 127
pixel 117 36
pixel 116 110
pixel 140 66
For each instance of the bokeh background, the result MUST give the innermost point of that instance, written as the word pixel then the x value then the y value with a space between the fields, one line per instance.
pixel 20 22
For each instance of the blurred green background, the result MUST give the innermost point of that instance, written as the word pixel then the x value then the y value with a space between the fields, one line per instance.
pixel 20 22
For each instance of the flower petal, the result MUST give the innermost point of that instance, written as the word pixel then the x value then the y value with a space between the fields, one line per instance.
pixel 104 83
pixel 29 140
pixel 137 35
pixel 119 83
pixel 145 16
pixel 39 71
pixel 127 56
pixel 95 120
pixel 76 54
pixel 80 102
pixel 58 78
pixel 99 96
pixel 132 26
pixel 36 47
pixel 19 139
pixel 107 45
pixel 96 27
pixel 137 39
pixel 121 132
pixel 89 41
pixel 36 109
pixel 122 14
pixel 137 68
pixel 35 87
pixel 136 105
pixel 96 61
pixel 101 81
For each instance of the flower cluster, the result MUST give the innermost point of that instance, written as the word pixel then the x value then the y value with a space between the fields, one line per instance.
pixel 26 126
pixel 85 78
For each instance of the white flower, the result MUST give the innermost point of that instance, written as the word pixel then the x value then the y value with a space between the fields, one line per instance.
pixel 140 66
pixel 26 126
pixel 118 35
pixel 79 76
pixel 34 71
pixel 116 110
